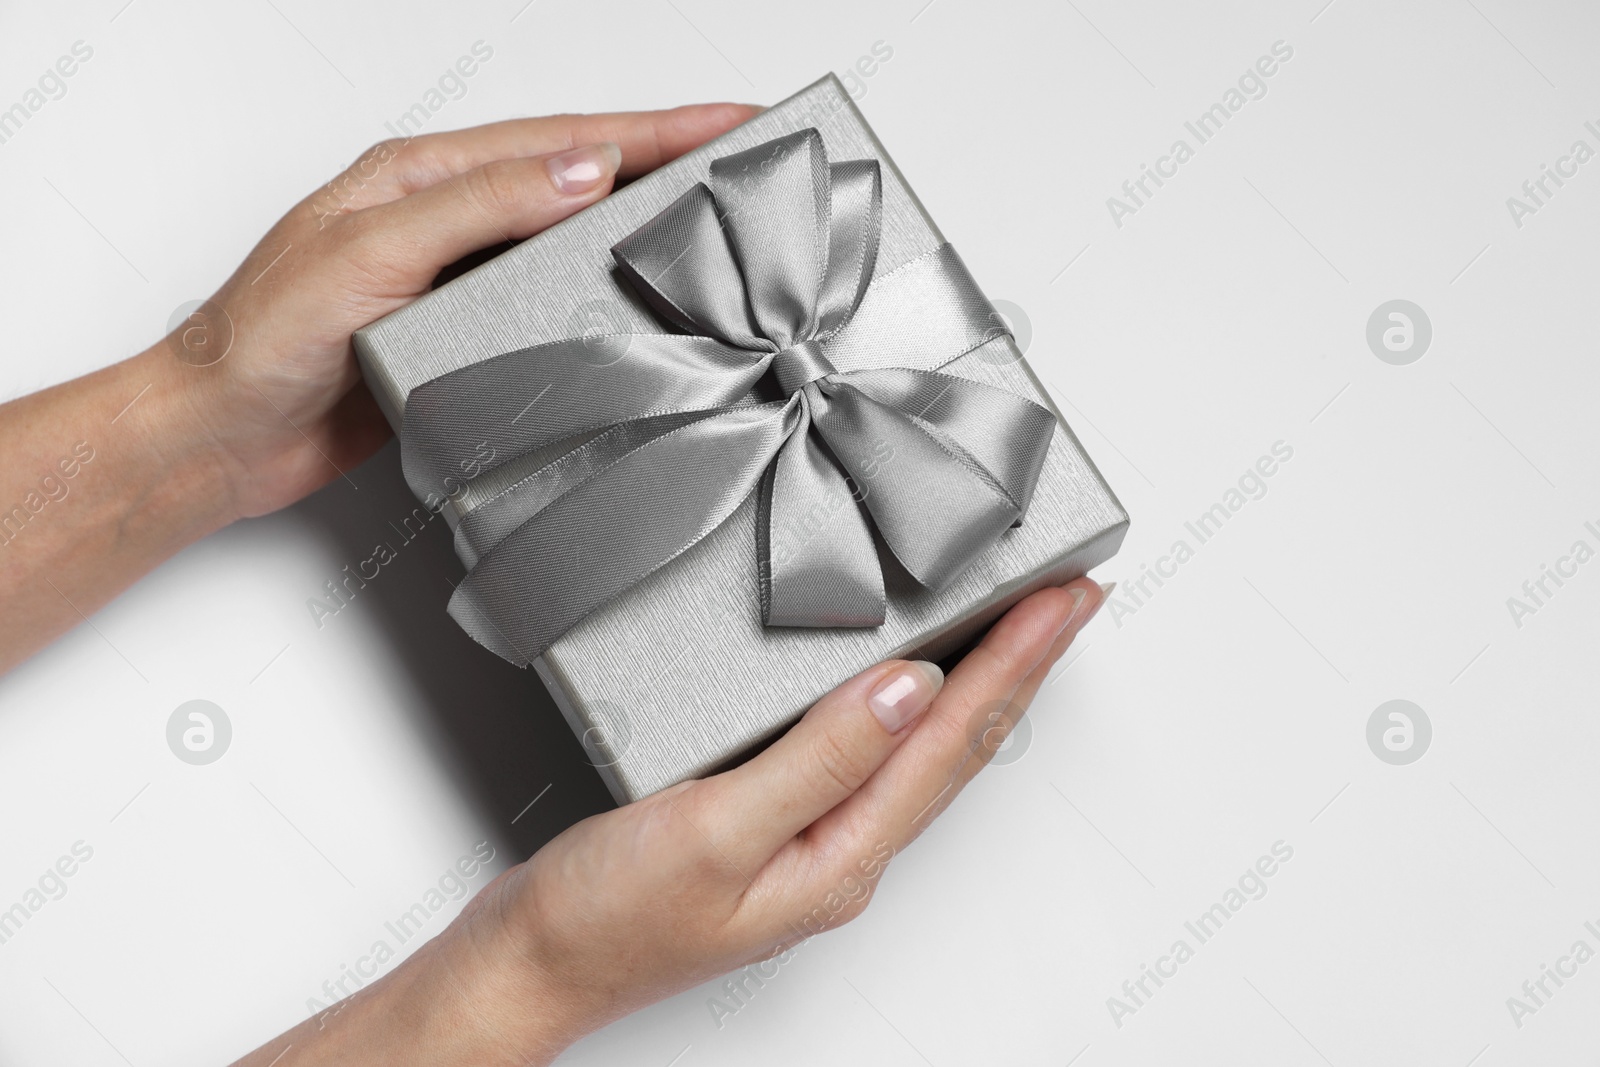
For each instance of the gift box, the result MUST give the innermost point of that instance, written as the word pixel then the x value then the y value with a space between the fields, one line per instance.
pixel 695 501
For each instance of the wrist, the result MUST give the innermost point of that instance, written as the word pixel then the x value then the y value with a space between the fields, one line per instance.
pixel 515 1012
pixel 166 430
pixel 118 471
pixel 439 1008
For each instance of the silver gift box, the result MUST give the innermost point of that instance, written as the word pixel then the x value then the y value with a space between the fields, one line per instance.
pixel 678 677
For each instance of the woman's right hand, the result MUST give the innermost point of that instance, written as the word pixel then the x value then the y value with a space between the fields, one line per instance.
pixel 634 905
pixel 631 906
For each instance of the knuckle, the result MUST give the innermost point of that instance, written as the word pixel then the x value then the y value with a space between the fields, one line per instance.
pixel 499 186
pixel 846 877
pixel 687 816
pixel 708 867
pixel 834 909
pixel 954 736
pixel 350 187
pixel 564 124
pixel 380 154
pixel 839 760
pixel 1000 664
pixel 351 233
pixel 853 909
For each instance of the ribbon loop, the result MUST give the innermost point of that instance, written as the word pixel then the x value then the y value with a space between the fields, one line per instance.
pixel 628 459
pixel 776 203
pixel 684 267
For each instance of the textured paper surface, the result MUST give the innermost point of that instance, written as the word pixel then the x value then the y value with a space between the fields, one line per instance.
pixel 678 677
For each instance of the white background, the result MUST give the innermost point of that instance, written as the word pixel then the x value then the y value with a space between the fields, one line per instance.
pixel 1182 739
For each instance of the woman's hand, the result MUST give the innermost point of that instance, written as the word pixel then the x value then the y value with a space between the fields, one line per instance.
pixel 632 906
pixel 285 407
pixel 256 400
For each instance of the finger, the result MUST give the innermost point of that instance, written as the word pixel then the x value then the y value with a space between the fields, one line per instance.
pixel 392 169
pixel 994 724
pixel 647 139
pixel 926 773
pixel 402 245
pixel 1095 598
pixel 755 809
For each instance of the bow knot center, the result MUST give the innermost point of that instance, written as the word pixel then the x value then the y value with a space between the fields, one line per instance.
pixel 799 365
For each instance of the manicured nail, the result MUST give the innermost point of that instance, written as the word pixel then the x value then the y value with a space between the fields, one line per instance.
pixel 581 169
pixel 905 694
pixel 1105 595
pixel 1079 595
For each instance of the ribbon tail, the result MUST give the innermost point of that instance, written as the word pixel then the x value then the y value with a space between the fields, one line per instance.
pixel 819 566
pixel 489 522
pixel 469 421
pixel 607 534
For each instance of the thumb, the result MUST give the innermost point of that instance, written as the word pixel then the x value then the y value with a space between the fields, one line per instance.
pixel 411 239
pixel 820 762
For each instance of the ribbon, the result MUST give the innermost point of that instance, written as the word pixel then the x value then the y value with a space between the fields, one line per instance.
pixel 642 444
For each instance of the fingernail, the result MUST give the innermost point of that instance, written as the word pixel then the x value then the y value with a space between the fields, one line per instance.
pixel 1079 595
pixel 905 694
pixel 1105 595
pixel 581 169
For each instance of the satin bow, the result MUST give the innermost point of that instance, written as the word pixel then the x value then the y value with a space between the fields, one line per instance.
pixel 642 444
